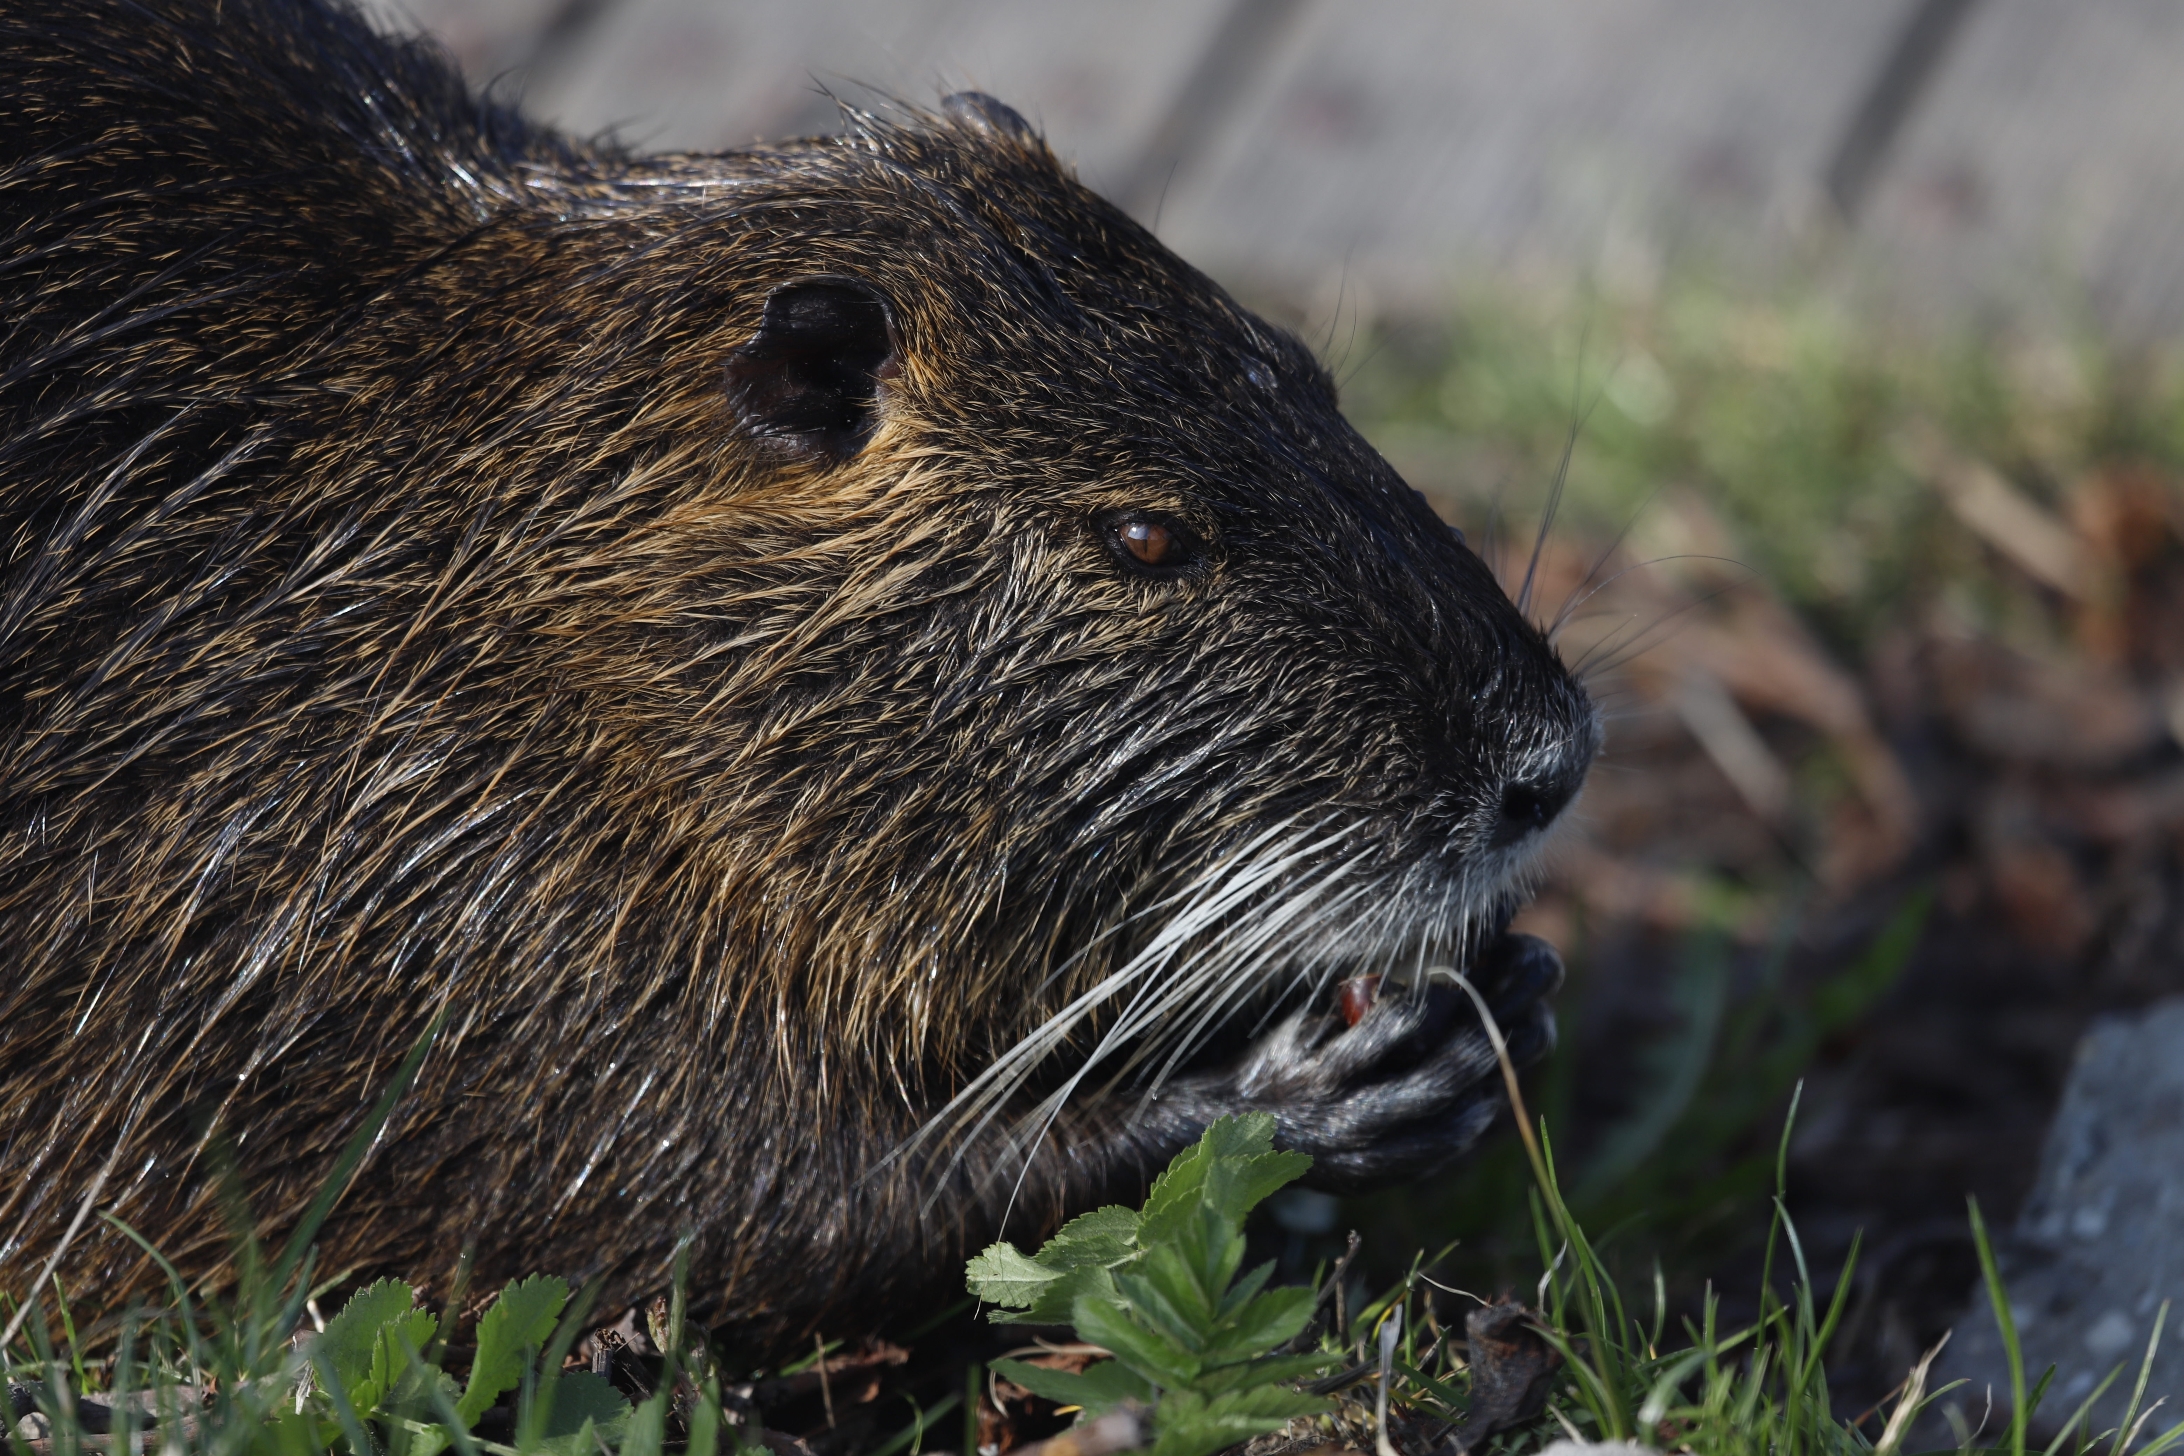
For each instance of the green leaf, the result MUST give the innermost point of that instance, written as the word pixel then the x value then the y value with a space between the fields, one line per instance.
pixel 1179 1189
pixel 1235 1186
pixel 431 1392
pixel 1240 1136
pixel 1113 1383
pixel 1212 1245
pixel 1150 1299
pixel 582 1398
pixel 1099 1389
pixel 1245 1289
pixel 519 1321
pixel 391 1362
pixel 705 1424
pixel 1003 1275
pixel 647 1426
pixel 1105 1236
pixel 588 1439
pixel 1182 1278
pixel 1060 1386
pixel 1150 1354
pixel 350 1338
pixel 1191 1425
pixel 1270 1371
pixel 1160 1291
pixel 1054 1304
pixel 1231 1169
pixel 1260 1325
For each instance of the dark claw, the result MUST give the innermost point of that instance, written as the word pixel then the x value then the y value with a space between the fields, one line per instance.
pixel 1406 1090
pixel 1516 971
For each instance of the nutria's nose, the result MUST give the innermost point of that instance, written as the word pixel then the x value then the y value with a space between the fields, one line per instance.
pixel 1529 803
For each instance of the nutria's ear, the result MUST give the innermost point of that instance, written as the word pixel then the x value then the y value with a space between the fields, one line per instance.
pixel 809 379
pixel 989 114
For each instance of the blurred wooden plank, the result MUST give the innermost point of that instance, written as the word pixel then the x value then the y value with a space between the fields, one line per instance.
pixel 704 74
pixel 1389 144
pixel 2048 163
pixel 1401 139
pixel 489 37
pixel 1905 75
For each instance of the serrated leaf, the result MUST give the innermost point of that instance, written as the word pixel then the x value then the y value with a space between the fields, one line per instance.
pixel 1176 1193
pixel 390 1361
pixel 1105 1236
pixel 1235 1186
pixel 1239 1136
pixel 1099 1389
pixel 1055 1303
pixel 1151 1354
pixel 1260 1325
pixel 519 1321
pixel 1160 1290
pixel 1237 1155
pixel 352 1335
pixel 1004 1275
pixel 1178 1189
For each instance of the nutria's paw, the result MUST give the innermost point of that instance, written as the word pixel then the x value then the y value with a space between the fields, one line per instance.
pixel 1406 1090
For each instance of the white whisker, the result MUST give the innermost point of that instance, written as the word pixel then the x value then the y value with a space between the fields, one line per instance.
pixel 1291 899
pixel 1229 884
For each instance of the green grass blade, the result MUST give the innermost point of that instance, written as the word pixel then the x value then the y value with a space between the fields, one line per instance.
pixel 2084 1410
pixel 68 1328
pixel 705 1423
pixel 2006 1322
pixel 2168 1440
pixel 185 1315
pixel 453 1430
pixel 538 1404
pixel 974 1377
pixel 329 1384
pixel 352 1156
pixel 919 1425
pixel 2138 1391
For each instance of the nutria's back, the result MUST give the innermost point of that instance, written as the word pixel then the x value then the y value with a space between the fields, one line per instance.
pixel 796 656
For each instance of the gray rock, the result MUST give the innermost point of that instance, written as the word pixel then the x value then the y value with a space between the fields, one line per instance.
pixel 2100 1244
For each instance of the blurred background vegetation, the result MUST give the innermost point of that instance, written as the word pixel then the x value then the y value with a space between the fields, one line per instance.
pixel 1888 623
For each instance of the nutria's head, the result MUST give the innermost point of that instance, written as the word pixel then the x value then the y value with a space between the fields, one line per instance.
pixel 1032 599
pixel 757 641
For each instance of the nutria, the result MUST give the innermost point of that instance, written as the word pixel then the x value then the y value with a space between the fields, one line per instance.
pixel 855 681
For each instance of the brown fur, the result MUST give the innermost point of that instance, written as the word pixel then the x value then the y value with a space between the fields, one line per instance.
pixel 401 618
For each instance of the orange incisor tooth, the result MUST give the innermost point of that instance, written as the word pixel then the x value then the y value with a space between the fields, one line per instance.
pixel 1358 995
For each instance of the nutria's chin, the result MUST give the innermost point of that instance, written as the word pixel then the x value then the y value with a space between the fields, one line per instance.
pixel 800 657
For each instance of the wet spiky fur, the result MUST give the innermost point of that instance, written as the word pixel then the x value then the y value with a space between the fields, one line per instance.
pixel 395 620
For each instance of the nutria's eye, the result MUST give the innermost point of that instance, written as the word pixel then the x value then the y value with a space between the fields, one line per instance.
pixel 1151 545
pixel 1150 542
